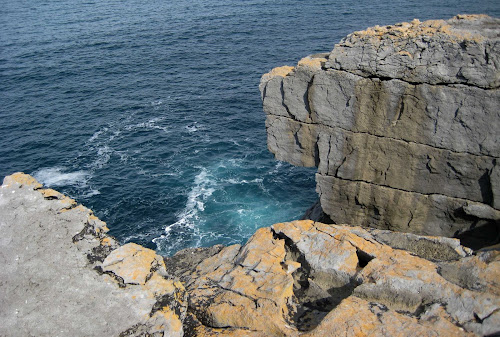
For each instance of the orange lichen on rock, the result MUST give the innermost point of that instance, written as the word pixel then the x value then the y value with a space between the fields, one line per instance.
pixel 278 71
pixel 415 28
pixel 245 288
pixel 312 62
pixel 65 202
pixel 159 285
pixel 50 193
pixel 165 322
pixel 22 179
pixel 133 263
pixel 357 317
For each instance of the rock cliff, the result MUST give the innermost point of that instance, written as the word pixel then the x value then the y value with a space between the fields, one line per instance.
pixel 63 275
pixel 402 122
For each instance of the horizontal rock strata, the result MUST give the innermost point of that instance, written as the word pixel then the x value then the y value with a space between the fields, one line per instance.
pixel 401 122
pixel 62 275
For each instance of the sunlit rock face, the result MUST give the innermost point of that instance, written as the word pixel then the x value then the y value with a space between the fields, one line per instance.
pixel 401 122
pixel 62 272
pixel 63 275
pixel 305 278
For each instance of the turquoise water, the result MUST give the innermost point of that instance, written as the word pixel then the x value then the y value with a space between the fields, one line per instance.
pixel 149 113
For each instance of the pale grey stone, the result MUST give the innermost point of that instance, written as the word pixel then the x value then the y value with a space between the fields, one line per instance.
pixel 462 50
pixel 49 285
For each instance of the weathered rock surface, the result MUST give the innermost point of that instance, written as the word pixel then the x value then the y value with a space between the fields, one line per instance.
pixel 311 279
pixel 401 122
pixel 62 275
pixel 466 48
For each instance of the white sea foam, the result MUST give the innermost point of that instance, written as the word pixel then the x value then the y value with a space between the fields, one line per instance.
pixel 191 128
pixel 244 181
pixel 235 162
pixel 150 124
pixel 199 193
pixel 203 187
pixel 97 134
pixel 54 176
pixel 91 193
pixel 123 156
pixel 115 134
pixel 103 156
pixel 276 168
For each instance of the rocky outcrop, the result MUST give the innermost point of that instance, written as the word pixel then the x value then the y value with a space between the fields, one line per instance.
pixel 310 279
pixel 401 122
pixel 397 121
pixel 63 275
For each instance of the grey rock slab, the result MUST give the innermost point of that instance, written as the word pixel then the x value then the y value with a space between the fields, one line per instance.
pixel 462 50
pixel 455 117
pixel 408 108
pixel 292 141
pixel 48 286
pixel 433 248
pixel 383 161
pixel 330 259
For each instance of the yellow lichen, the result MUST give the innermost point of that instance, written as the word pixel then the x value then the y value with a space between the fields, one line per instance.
pixel 280 71
pixel 50 193
pixel 405 53
pixel 415 28
pixel 23 179
pixel 315 63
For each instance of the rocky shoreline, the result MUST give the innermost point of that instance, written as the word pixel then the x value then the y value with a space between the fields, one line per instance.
pixel 63 275
pixel 405 162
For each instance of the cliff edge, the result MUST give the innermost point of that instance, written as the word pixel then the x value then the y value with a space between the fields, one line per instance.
pixel 401 122
pixel 62 275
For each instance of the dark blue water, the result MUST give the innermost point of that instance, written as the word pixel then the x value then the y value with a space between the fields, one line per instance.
pixel 149 113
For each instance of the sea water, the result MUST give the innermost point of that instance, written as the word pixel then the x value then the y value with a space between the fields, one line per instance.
pixel 148 112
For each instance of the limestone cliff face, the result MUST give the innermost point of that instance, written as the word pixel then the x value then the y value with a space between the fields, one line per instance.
pixel 402 122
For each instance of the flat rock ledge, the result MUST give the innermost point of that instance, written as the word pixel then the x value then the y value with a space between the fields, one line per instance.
pixel 62 275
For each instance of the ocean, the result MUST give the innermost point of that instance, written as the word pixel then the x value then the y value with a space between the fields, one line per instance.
pixel 149 113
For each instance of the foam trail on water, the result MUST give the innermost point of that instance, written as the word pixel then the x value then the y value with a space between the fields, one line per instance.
pixel 203 188
pixel 97 134
pixel 54 176
pixel 197 195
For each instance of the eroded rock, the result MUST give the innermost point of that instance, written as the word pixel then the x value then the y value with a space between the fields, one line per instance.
pixel 400 121
pixel 302 278
pixel 308 278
